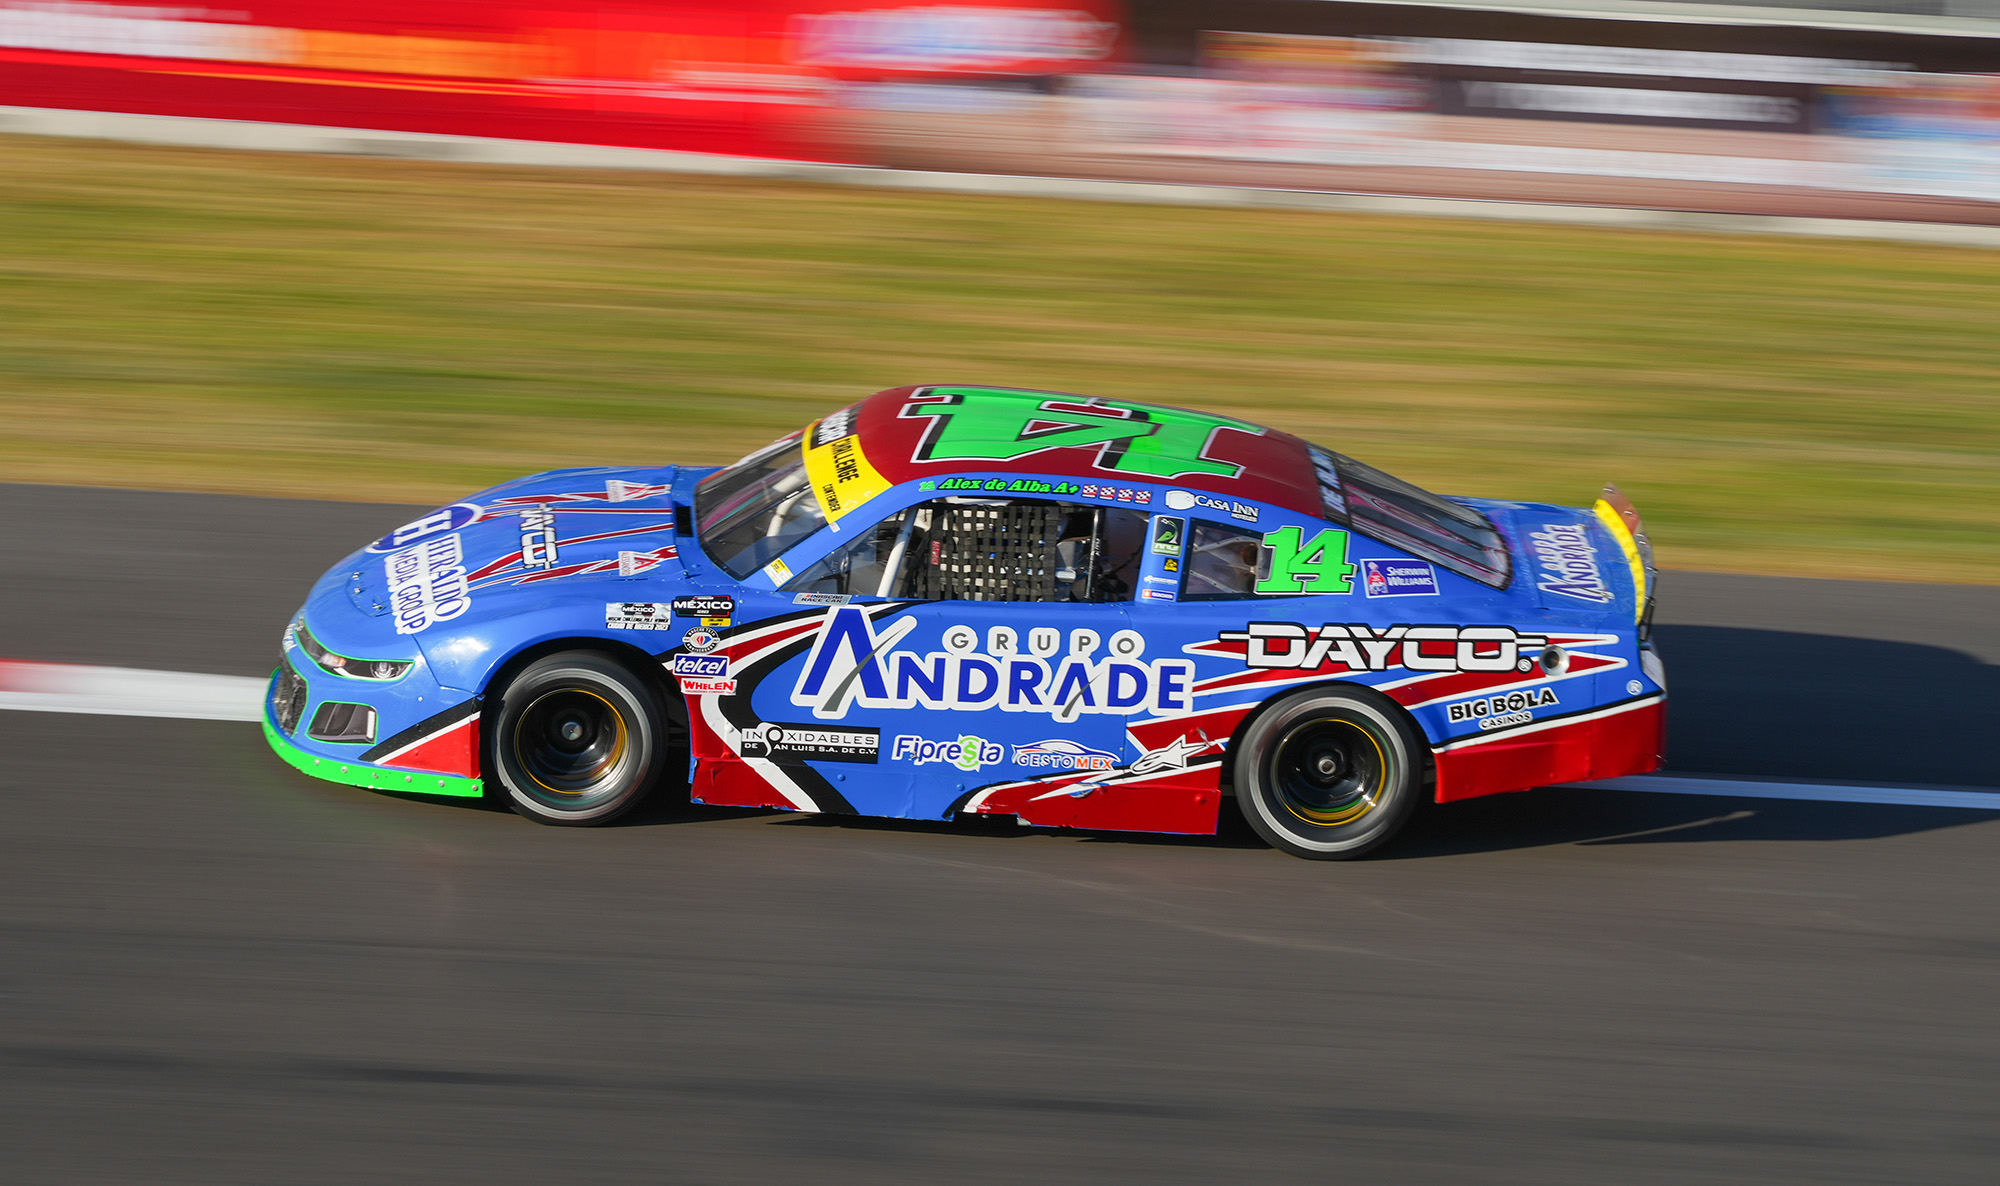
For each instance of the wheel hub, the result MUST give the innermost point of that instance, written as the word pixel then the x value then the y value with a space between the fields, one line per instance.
pixel 1328 773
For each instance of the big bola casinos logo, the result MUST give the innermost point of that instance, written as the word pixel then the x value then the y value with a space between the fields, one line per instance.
pixel 986 424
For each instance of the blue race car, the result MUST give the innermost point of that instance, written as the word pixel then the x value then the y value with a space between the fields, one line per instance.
pixel 1077 612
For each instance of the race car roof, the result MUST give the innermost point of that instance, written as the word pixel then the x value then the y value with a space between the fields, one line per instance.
pixel 910 433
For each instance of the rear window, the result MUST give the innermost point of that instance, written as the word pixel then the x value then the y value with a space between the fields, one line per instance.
pixel 1421 523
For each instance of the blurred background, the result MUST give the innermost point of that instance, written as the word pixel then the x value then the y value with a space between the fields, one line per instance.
pixel 264 324
pixel 1859 107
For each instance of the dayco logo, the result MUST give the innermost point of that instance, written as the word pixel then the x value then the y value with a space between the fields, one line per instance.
pixel 1027 670
pixel 1569 563
pixel 1494 712
pixel 1187 500
pixel 538 537
pixel 967 753
pixel 1378 648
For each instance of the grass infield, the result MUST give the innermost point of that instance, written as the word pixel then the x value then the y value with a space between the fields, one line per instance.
pixel 400 331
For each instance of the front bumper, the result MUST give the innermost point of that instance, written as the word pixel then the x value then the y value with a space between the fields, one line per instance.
pixel 343 768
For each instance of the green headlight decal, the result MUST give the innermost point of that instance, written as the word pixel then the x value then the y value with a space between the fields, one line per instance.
pixel 334 663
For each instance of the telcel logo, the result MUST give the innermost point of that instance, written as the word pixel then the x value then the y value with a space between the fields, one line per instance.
pixel 702 666
pixel 966 753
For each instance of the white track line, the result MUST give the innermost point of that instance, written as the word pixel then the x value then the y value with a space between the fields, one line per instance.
pixel 127 691
pixel 1661 784
pixel 130 692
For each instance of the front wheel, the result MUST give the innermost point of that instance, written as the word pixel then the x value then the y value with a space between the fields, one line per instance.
pixel 1328 773
pixel 577 739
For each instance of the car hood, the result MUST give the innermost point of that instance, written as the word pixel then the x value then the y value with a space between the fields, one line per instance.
pixel 522 545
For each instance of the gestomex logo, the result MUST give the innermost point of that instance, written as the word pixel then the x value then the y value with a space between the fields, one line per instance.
pixel 967 753
pixel 1036 669
pixel 1569 563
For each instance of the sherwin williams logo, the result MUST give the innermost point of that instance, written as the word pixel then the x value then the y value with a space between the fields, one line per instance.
pixel 1569 562
pixel 1397 578
pixel 967 753
pixel 1060 753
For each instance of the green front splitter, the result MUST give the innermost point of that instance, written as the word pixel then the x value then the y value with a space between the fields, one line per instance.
pixel 362 774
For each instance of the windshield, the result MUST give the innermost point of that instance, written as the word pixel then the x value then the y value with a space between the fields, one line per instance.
pixel 1421 523
pixel 751 512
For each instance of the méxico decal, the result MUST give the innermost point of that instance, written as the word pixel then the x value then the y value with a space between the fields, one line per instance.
pixel 838 469
pixel 975 424
pixel 1034 670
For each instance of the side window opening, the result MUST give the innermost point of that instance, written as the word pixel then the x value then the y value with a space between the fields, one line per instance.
pixel 1221 562
pixel 975 549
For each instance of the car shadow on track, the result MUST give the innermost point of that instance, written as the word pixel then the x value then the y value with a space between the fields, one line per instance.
pixel 1767 702
pixel 1579 815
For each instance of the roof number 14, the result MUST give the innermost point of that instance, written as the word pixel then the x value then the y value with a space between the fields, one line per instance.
pixel 1288 566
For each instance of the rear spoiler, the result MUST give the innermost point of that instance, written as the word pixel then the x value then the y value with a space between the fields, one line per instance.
pixel 1619 517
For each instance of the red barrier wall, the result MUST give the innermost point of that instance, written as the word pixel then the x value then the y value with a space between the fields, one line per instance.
pixel 748 78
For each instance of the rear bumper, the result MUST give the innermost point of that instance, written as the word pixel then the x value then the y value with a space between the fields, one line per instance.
pixel 1619 739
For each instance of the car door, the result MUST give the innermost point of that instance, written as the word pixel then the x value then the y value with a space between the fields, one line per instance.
pixel 981 641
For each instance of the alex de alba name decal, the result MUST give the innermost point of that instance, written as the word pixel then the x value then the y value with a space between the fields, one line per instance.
pixel 1378 648
pixel 980 424
pixel 1035 669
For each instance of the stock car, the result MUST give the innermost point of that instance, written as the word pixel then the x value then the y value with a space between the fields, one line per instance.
pixel 944 601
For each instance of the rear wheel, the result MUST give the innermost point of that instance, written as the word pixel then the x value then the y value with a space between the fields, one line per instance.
pixel 578 739
pixel 1329 773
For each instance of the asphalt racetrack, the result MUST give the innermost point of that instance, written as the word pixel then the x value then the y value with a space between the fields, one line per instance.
pixel 215 970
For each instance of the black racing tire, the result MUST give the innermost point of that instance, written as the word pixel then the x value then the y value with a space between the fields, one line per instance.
pixel 578 739
pixel 1329 773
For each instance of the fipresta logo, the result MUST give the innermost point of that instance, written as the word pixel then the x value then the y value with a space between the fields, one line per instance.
pixel 966 752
